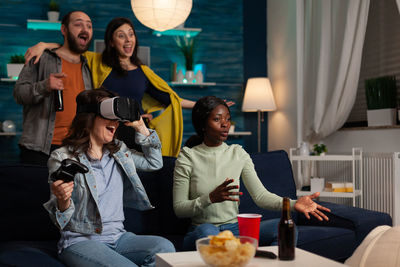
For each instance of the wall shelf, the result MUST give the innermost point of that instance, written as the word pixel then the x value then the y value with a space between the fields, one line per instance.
pixel 36 24
pixel 192 84
pixel 188 32
pixel 239 133
pixel 331 194
pixel 8 80
pixel 304 162
pixel 9 134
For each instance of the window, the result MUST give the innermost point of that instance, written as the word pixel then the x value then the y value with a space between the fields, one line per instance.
pixel 381 54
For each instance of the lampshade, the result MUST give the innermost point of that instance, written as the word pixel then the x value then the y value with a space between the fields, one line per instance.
pixel 161 15
pixel 258 95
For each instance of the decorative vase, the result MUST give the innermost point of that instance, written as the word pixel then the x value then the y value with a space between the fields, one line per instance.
pixel 13 70
pixel 189 76
pixel 381 117
pixel 53 16
pixel 174 67
pixel 199 77
pixel 180 26
pixel 304 180
pixel 304 150
pixel 398 116
pixel 179 76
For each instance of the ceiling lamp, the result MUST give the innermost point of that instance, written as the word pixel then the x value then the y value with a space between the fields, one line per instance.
pixel 161 15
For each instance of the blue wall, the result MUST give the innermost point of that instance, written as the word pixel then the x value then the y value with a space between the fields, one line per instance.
pixel 255 65
pixel 220 48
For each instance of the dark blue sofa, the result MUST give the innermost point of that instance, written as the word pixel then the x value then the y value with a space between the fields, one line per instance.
pixel 28 238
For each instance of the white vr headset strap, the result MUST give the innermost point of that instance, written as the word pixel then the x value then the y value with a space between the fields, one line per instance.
pixel 107 109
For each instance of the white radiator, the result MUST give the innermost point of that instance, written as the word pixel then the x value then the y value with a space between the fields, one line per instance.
pixel 381 183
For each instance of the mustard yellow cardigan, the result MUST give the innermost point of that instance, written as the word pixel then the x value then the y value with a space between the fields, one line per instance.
pixel 169 124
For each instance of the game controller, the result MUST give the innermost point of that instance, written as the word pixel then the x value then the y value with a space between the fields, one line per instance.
pixel 68 169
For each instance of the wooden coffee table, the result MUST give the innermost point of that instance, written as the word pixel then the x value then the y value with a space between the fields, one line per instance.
pixel 193 259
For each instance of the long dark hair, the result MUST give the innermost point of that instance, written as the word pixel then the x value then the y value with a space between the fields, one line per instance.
pixel 78 137
pixel 200 113
pixel 110 55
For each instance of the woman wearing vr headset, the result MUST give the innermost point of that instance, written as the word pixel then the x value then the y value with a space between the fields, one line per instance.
pixel 119 69
pixel 89 210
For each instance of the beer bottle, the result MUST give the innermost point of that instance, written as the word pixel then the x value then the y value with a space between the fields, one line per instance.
pixel 58 100
pixel 286 232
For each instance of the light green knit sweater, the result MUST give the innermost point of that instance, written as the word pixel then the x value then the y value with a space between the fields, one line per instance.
pixel 199 170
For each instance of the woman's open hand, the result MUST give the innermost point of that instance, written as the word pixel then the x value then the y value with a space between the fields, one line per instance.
pixel 223 193
pixel 307 206
pixel 37 51
pixel 229 103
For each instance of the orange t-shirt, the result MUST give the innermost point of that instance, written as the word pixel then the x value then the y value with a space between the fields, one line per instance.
pixel 73 85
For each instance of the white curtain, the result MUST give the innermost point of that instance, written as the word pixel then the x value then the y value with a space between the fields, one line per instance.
pixel 398 4
pixel 331 37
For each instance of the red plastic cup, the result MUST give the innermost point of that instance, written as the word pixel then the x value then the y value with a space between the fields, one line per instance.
pixel 249 225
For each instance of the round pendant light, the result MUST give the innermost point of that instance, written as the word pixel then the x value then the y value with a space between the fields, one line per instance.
pixel 161 15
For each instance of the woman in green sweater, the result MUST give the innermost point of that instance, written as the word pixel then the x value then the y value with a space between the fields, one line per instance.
pixel 207 176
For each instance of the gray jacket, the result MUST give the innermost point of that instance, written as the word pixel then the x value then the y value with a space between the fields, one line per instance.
pixel 38 103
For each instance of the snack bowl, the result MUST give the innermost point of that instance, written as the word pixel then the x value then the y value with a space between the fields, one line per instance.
pixel 234 252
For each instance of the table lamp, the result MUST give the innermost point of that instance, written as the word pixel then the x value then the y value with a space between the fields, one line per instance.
pixel 258 97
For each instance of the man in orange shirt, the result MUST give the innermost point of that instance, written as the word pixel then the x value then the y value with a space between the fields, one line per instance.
pixel 39 85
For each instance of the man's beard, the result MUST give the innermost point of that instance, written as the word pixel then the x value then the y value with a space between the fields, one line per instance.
pixel 74 46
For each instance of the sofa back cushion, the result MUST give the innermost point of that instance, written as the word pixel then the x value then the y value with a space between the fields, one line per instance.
pixel 23 190
pixel 162 219
pixel 275 172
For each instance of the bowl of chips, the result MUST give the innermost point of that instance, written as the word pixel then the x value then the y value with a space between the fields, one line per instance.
pixel 227 250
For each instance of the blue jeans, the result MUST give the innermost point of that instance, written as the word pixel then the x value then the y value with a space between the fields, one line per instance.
pixel 268 233
pixel 129 250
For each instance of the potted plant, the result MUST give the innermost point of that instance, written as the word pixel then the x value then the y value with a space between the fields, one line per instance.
pixel 381 100
pixel 15 66
pixel 54 11
pixel 187 47
pixel 319 150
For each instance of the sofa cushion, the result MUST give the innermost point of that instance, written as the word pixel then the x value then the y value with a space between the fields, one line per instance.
pixel 25 189
pixel 275 172
pixel 337 243
pixel 145 222
pixel 334 220
pixel 26 254
pixel 162 219
pixel 170 223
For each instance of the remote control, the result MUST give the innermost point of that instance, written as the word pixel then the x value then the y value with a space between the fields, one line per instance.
pixel 265 254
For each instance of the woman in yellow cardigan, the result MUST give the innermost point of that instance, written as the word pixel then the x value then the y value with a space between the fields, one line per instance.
pixel 119 69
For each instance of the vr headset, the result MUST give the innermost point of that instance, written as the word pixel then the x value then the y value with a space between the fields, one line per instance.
pixel 116 108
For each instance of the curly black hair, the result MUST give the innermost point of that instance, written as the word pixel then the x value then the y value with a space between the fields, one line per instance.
pixel 200 113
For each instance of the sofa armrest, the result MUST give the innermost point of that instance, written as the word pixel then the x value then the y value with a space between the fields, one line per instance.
pixel 362 221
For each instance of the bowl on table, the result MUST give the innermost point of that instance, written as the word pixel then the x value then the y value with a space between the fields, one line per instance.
pixel 234 252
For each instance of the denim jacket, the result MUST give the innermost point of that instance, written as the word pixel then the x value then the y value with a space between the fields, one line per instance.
pixel 83 215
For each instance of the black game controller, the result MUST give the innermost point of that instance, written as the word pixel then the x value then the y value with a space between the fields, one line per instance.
pixel 68 169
